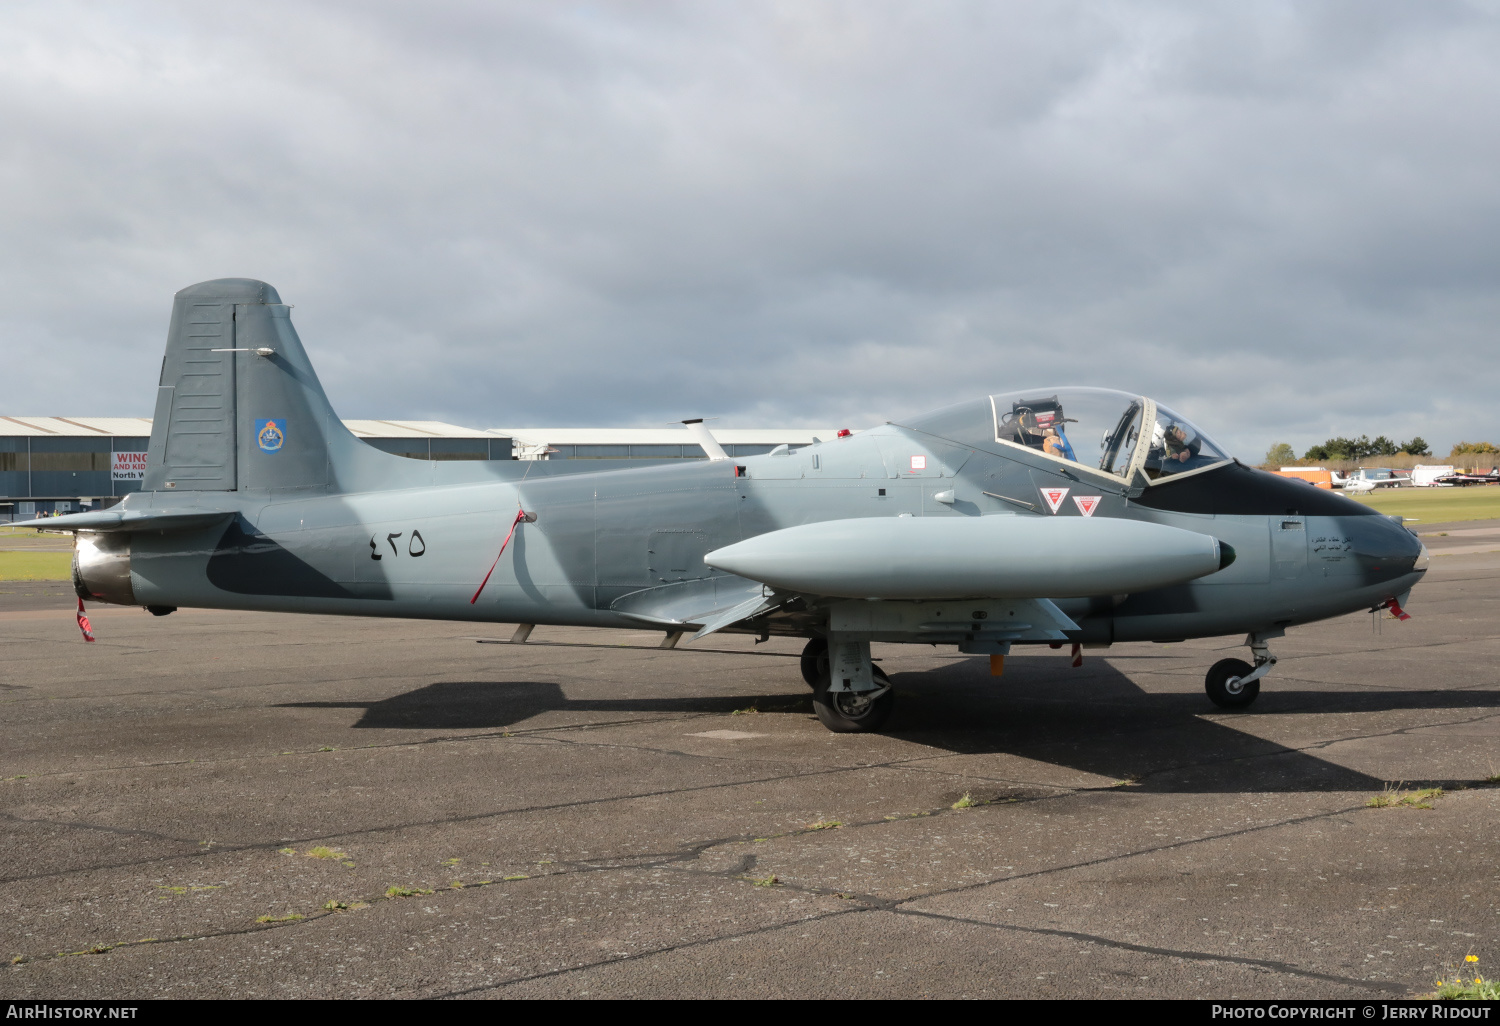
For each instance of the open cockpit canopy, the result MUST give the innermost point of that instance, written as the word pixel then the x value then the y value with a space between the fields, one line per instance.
pixel 1111 432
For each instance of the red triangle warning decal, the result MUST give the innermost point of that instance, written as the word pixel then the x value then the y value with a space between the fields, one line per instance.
pixel 1087 503
pixel 1054 497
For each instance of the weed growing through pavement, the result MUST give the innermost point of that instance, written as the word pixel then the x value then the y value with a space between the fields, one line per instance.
pixel 320 852
pixel 395 891
pixel 826 824
pixel 1393 795
pixel 966 802
pixel 278 919
pixel 765 881
pixel 1476 988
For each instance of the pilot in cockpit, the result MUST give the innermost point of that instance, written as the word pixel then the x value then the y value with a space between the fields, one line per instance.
pixel 1039 424
pixel 1181 443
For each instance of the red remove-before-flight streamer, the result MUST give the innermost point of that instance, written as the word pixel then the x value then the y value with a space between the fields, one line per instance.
pixel 520 516
pixel 83 623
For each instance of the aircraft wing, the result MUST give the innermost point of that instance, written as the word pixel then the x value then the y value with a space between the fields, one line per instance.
pixel 129 520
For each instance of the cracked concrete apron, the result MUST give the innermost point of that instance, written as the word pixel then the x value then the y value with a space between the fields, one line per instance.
pixel 225 804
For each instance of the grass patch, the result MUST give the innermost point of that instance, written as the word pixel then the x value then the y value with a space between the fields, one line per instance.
pixel 321 852
pixel 966 802
pixel 516 876
pixel 404 892
pixel 826 824
pixel 1394 795
pixel 1435 505
pixel 1480 990
pixel 36 566
pixel 1476 988
pixel 765 881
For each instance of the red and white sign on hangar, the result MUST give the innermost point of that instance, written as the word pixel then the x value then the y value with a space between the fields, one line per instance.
pixel 127 466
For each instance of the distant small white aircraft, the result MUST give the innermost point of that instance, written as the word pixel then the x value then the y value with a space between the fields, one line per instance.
pixel 1367 479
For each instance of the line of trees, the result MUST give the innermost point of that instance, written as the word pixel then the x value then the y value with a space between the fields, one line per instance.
pixel 1364 447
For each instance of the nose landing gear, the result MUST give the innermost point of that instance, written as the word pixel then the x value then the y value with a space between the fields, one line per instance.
pixel 1234 683
pixel 841 709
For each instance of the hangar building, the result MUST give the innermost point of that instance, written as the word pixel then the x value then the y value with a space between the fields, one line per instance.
pixel 63 464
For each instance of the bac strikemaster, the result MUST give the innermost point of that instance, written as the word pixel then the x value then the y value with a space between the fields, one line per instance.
pixel 1056 516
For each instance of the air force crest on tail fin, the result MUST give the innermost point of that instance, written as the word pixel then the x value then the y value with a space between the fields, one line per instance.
pixel 270 435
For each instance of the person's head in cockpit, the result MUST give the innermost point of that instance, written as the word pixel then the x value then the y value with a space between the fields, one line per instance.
pixel 1182 443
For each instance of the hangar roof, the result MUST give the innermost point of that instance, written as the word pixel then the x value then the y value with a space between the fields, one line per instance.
pixel 140 426
pixel 664 435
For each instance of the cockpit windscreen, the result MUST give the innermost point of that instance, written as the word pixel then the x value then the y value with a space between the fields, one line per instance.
pixel 1177 446
pixel 1101 429
pixel 1096 427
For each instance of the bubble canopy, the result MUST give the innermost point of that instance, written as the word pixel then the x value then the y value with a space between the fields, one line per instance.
pixel 1103 430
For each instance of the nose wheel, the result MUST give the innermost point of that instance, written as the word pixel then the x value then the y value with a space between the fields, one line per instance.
pixel 1227 685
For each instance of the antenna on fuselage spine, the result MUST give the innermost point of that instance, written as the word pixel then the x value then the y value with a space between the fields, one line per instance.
pixel 705 438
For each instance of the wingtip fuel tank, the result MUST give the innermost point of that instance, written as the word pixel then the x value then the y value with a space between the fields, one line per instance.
pixel 972 557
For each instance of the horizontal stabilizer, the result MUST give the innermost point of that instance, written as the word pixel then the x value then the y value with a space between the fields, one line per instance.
pixel 130 520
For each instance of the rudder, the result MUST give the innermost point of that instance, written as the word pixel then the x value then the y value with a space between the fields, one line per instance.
pixel 239 406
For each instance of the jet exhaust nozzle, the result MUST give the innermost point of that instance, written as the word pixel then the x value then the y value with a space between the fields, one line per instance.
pixel 101 567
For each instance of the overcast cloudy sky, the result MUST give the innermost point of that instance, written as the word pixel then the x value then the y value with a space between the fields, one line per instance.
pixel 1282 219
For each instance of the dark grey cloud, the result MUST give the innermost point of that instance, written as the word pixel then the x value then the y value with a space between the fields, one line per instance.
pixel 1280 219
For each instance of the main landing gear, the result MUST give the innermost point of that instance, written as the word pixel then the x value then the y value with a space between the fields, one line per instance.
pixel 846 707
pixel 1234 683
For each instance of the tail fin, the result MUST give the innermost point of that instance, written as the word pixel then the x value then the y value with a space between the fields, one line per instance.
pixel 240 408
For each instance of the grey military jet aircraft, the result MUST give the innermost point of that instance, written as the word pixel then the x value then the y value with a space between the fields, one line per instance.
pixel 1051 516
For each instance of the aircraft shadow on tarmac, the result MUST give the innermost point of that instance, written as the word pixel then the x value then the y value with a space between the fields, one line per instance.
pixel 1094 719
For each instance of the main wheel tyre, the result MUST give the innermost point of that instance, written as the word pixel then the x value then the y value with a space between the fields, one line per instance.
pixel 1225 684
pixel 849 712
pixel 815 661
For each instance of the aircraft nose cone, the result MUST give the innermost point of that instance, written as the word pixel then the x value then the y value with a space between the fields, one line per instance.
pixel 1388 547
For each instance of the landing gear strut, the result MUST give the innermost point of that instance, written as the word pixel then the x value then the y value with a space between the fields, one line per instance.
pixel 842 708
pixel 1234 683
pixel 854 712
